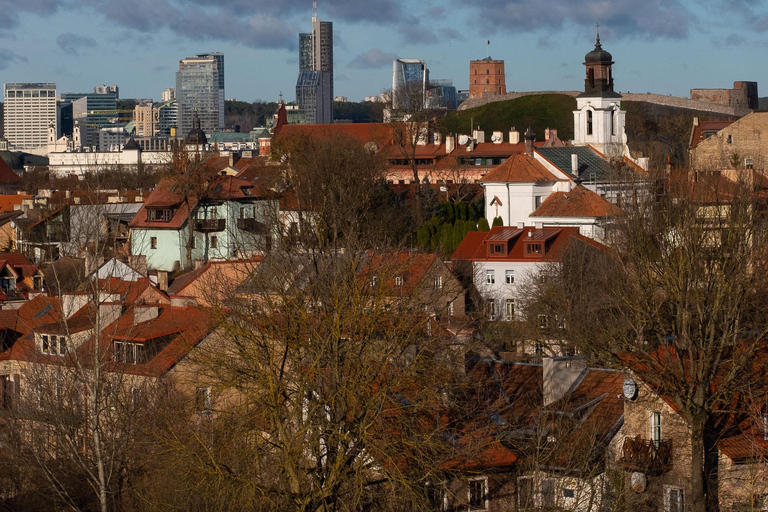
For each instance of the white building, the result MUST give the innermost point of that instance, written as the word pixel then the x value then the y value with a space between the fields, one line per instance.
pixel 29 109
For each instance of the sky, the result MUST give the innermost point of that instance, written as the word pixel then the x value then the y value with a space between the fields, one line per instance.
pixel 659 46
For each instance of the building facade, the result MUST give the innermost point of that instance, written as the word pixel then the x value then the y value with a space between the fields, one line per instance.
pixel 410 78
pixel 486 76
pixel 147 119
pixel 28 110
pixel 312 96
pixel 314 87
pixel 93 111
pixel 200 88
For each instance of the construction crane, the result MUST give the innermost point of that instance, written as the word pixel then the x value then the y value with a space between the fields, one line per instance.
pixel 109 112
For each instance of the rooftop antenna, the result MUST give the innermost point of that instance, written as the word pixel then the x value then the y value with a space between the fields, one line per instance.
pixel 488 46
pixel 314 10
pixel 597 31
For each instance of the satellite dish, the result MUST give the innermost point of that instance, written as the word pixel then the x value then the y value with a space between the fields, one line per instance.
pixel 496 137
pixel 637 481
pixel 629 388
pixel 463 140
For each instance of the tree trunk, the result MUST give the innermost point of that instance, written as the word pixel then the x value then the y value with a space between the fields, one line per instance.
pixel 711 469
pixel 698 497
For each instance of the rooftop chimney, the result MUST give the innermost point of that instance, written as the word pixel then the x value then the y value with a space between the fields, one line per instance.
pixel 450 144
pixel 478 135
pixel 530 137
pixel 497 137
pixel 514 136
pixel 575 164
pixel 559 375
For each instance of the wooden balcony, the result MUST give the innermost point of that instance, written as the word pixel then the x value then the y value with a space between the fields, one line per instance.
pixel 252 226
pixel 653 458
pixel 210 225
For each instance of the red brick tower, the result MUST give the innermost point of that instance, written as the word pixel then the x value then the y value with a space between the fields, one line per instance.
pixel 486 76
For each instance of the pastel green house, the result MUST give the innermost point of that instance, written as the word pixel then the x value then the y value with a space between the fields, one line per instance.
pixel 230 220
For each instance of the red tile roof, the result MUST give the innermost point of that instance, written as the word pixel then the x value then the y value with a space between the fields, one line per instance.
pixel 556 240
pixel 411 267
pixel 381 133
pixel 519 169
pixel 705 129
pixel 579 202
pixel 9 202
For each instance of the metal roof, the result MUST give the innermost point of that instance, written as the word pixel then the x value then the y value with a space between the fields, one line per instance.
pixel 592 166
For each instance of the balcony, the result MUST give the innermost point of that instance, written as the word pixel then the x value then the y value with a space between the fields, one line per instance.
pixel 252 226
pixel 210 225
pixel 652 458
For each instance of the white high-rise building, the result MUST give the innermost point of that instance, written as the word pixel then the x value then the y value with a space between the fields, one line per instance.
pixel 28 111
pixel 169 94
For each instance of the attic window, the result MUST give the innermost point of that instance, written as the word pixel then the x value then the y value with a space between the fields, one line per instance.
pixel 497 248
pixel 131 353
pixel 246 191
pixel 399 281
pixel 159 214
pixel 534 248
pixel 730 139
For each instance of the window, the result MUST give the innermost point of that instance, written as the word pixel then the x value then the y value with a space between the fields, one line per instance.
pixel 214 242
pixel 478 494
pixel 589 122
pixel 490 308
pixel 131 353
pixel 449 308
pixel 591 76
pixel 656 428
pixel 533 248
pixel 569 493
pixel 749 163
pixel 674 500
pixel 497 248
pixel 543 321
pixel 730 139
pixel 242 212
pixel 536 202
pixel 153 242
pixel 46 346
pixel 214 214
pixel 398 282
pixel 9 391
pixel 510 276
pixel 438 282
pixel 490 276
pixel 548 494
pixel 436 497
pixel 160 214
pixel 193 242
pixel 509 310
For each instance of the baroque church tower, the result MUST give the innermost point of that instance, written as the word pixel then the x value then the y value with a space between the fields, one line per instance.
pixel 599 120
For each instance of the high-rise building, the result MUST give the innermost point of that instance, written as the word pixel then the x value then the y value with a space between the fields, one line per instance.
pixel 312 94
pixel 316 55
pixel 168 114
pixel 169 94
pixel 147 120
pixel 486 77
pixel 200 88
pixel 92 110
pixel 410 78
pixel 106 89
pixel 28 111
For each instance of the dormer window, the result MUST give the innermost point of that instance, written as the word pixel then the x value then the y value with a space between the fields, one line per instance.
pixel 497 249
pixel 159 214
pixel 398 282
pixel 131 353
pixel 532 249
pixel 52 344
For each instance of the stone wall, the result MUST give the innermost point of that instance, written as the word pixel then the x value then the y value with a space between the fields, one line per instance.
pixel 658 99
pixel 745 138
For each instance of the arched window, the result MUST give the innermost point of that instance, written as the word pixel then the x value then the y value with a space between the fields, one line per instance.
pixel 487 81
pixel 475 70
pixel 487 71
pixel 475 81
pixel 589 122
pixel 614 121
pixel 591 76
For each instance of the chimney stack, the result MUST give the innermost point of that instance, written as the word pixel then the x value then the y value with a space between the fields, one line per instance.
pixel 450 144
pixel 478 135
pixel 530 137
pixel 514 136
pixel 575 164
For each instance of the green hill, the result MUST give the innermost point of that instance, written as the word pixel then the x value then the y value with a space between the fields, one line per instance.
pixel 539 111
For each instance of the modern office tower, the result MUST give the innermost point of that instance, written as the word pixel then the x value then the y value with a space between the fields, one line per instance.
pixel 29 109
pixel 200 88
pixel 93 111
pixel 441 94
pixel 169 94
pixel 106 89
pixel 168 113
pixel 410 78
pixel 312 89
pixel 316 55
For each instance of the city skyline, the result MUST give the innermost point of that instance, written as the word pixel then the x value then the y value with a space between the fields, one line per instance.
pixel 666 48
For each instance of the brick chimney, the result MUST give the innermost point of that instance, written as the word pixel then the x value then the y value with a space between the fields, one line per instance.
pixel 530 138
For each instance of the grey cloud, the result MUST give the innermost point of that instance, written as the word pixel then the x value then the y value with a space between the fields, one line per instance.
pixel 7 57
pixel 649 18
pixel 734 40
pixel 73 43
pixel 373 59
pixel 450 33
pixel 414 33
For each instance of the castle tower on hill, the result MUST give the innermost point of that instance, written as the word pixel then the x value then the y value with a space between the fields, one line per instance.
pixel 486 76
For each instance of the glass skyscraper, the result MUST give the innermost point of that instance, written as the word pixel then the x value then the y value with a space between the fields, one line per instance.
pixel 316 71
pixel 410 78
pixel 200 88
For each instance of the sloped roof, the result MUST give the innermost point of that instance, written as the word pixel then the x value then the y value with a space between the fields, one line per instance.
pixel 519 168
pixel 19 263
pixel 579 202
pixel 7 176
pixel 411 267
pixel 473 246
pixel 381 133
pixel 592 165
pixel 8 202
pixel 705 129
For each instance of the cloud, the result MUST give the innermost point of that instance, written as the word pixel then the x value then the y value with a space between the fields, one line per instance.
pixel 450 33
pixel 7 57
pixel 734 40
pixel 373 59
pixel 73 43
pixel 649 18
pixel 414 33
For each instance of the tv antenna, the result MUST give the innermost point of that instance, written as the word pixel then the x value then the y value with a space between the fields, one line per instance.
pixel 314 10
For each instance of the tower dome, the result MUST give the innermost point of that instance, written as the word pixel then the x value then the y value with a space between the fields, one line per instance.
pixel 598 55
